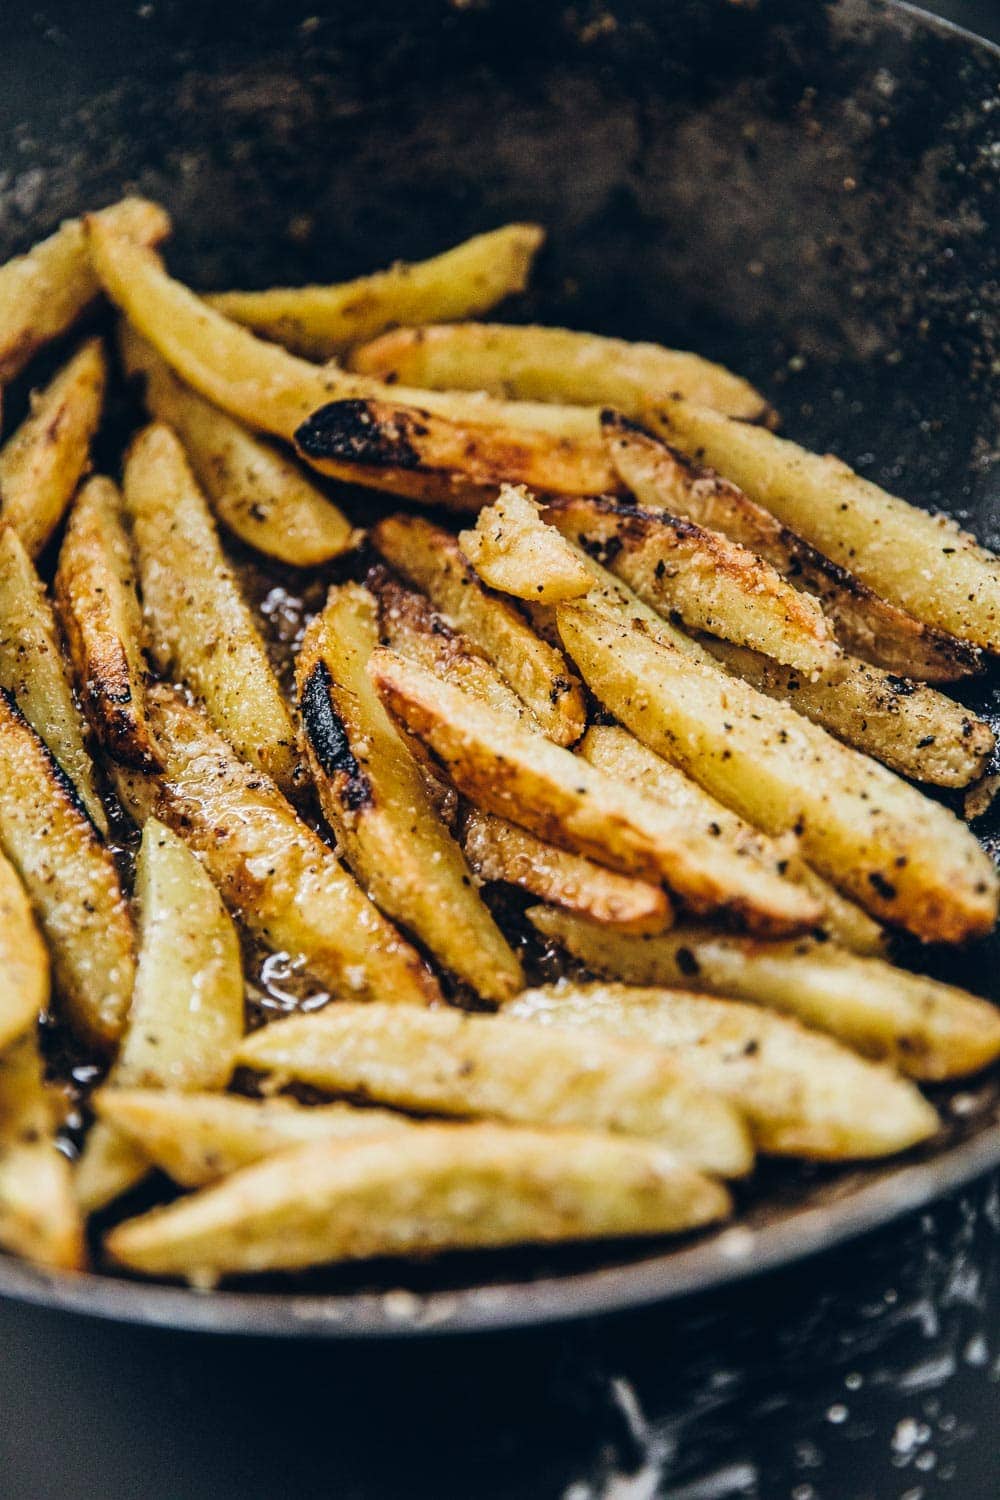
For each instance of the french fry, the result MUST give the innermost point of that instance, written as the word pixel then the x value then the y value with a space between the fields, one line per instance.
pixel 200 623
pixel 43 292
pixel 24 960
pixel 260 495
pixel 803 1094
pixel 713 584
pixel 373 796
pixel 41 464
pixel 100 615
pixel 926 1029
pixel 447 1187
pixel 515 551
pixel 271 869
pixel 39 1219
pixel 187 1009
pixel 432 561
pixel 879 632
pixel 71 880
pixel 485 1067
pixel 907 726
pixel 33 671
pixel 553 364
pixel 924 563
pixel 521 776
pixel 196 1138
pixel 464 282
pixel 906 859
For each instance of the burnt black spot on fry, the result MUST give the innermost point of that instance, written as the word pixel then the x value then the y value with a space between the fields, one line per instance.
pixel 328 739
pixel 354 431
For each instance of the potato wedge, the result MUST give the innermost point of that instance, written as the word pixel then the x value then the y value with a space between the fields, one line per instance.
pixel 514 550
pixel 71 880
pixel 41 464
pixel 373 796
pixel 906 859
pixel 926 1029
pixel 201 626
pixel 24 960
pixel 613 750
pixel 463 282
pixel 485 1067
pixel 522 776
pixel 443 1188
pixel 102 621
pixel 39 1219
pixel 197 1138
pixel 255 491
pixel 879 632
pixel 498 850
pixel 803 1094
pixel 187 1009
pixel 432 561
pixel 43 292
pixel 711 583
pixel 924 563
pixel 32 669
pixel 554 364
pixel 909 727
pixel 271 869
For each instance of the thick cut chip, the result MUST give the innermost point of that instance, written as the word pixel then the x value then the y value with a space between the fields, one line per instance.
pixel 514 550
pixel 39 1219
pixel 24 960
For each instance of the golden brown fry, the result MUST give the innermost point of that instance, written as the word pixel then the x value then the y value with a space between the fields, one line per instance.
pixel 39 1219
pixel 803 1094
pixel 271 869
pixel 24 960
pixel 926 1029
pixel 487 1067
pixel 514 550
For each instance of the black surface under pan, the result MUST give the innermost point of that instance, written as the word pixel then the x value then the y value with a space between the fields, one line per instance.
pixel 806 191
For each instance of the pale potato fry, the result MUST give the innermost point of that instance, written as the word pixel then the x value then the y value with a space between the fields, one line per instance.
pixel 33 670
pixel 200 625
pixel 520 775
pixel 553 364
pixel 43 292
pixel 197 1138
pixel 904 858
pixel 24 959
pixel 271 869
pixel 439 1188
pixel 71 880
pixel 463 282
pixel 102 621
pixel 926 1029
pixel 879 632
pixel 909 727
pixel 613 750
pixel 431 559
pixel 187 1008
pixel 513 550
pixel 260 495
pixel 373 796
pixel 803 1094
pixel 486 1067
pixel 41 464
pixel 924 563
pixel 499 850
pixel 39 1219
pixel 711 583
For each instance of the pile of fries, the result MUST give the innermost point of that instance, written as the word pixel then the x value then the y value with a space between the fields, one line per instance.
pixel 668 676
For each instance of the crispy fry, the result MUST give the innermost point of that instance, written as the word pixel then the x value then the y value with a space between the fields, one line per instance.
pixel 513 550
pixel 41 465
pixel 926 1029
pixel 39 1218
pixel 803 1094
pixel 904 858
pixel 487 1067
pixel 200 624
pixel 270 868
pixel 24 960
pixel 373 796
pixel 464 282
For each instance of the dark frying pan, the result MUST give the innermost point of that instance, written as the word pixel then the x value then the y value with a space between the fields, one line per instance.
pixel 806 191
